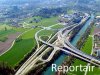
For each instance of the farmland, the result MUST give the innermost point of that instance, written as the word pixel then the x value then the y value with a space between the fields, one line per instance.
pixel 20 48
pixel 27 42
pixel 40 21
pixel 87 49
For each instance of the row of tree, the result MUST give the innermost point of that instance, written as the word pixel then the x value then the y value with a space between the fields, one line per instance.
pixel 5 69
pixel 84 37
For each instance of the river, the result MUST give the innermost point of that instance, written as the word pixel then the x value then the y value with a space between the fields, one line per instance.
pixel 74 42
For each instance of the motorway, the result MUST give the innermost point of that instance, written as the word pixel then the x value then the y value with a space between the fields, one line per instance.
pixel 61 43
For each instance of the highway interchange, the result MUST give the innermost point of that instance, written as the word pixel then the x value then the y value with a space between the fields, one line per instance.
pixel 61 43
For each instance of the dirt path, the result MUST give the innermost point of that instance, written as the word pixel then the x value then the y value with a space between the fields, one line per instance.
pixel 4 46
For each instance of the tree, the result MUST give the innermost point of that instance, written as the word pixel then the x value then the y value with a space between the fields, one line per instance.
pixel 5 69
pixel 5 28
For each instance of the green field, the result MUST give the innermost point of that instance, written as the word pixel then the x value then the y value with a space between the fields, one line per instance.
pixel 88 46
pixel 20 29
pixel 7 30
pixel 18 51
pixel 87 49
pixel 49 32
pixel 59 26
pixel 44 22
pixel 96 71
pixel 24 46
pixel 2 27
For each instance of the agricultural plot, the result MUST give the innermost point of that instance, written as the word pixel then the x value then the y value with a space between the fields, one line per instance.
pixel 25 43
pixel 20 48
pixel 59 26
pixel 87 49
pixel 41 21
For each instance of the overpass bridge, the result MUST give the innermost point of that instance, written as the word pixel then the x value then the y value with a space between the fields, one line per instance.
pixel 65 46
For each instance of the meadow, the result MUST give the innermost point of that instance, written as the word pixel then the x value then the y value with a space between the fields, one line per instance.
pixel 21 48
